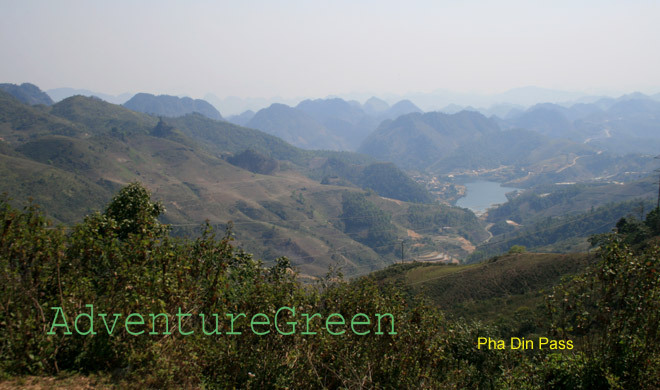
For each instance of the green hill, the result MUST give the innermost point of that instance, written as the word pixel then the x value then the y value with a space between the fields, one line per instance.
pixel 419 140
pixel 507 291
pixel 560 234
pixel 27 93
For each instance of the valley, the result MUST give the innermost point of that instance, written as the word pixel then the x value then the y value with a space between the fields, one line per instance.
pixel 284 200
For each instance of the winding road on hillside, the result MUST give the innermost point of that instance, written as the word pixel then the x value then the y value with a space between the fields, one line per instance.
pixel 569 165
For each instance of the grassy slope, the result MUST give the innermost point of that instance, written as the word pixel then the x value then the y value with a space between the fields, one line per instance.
pixel 492 291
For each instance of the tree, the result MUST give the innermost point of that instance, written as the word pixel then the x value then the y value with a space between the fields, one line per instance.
pixel 517 249
pixel 135 213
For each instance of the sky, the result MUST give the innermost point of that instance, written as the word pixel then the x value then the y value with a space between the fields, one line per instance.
pixel 320 48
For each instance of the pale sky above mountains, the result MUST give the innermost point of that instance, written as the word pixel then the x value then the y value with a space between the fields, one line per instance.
pixel 319 48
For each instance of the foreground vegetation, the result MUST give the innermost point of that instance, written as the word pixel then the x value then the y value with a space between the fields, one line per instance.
pixel 125 261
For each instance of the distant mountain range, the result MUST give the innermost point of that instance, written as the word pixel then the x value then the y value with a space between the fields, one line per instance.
pixel 59 94
pixel 628 124
pixel 331 124
pixel 551 151
pixel 163 105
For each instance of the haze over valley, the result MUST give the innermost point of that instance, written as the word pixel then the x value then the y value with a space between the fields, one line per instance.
pixel 336 182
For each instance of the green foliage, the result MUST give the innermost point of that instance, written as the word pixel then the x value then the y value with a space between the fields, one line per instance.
pixel 367 223
pixel 517 249
pixel 30 255
pixel 254 162
pixel 440 218
pixel 384 178
pixel 134 213
pixel 389 181
pixel 549 231
pixel 613 311
pixel 124 261
pixel 106 262
pixel 523 208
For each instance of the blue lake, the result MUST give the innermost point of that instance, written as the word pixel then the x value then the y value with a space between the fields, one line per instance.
pixel 483 194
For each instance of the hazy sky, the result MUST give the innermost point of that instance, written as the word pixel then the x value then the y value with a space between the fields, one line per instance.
pixel 316 48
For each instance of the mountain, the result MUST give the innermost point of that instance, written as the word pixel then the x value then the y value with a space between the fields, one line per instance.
pixel 342 119
pixel 445 148
pixel 171 106
pixel 375 106
pixel 295 127
pixel 97 116
pixel 27 93
pixel 628 124
pixel 524 96
pixel 232 105
pixel 399 108
pixel 331 124
pixel 419 140
pixel 73 156
pixel 241 119
pixel 20 122
pixel 58 94
pixel 547 119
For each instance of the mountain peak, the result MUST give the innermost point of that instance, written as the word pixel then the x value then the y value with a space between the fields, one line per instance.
pixel 375 106
pixel 27 93
pixel 171 106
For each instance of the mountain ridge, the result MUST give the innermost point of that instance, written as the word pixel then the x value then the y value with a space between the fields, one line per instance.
pixel 171 106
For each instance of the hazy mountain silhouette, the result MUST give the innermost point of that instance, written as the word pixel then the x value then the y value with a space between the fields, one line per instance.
pixel 27 93
pixel 241 119
pixel 402 107
pixel 171 106
pixel 295 127
pixel 59 94
pixel 418 140
pixel 375 106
